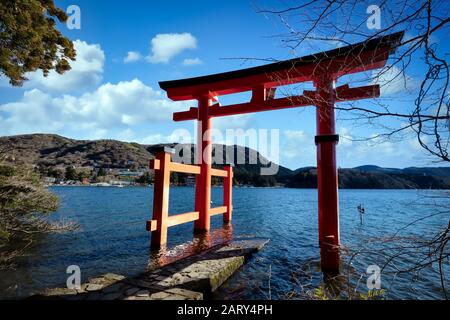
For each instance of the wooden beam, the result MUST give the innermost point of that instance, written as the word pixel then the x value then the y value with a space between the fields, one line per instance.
pixel 355 58
pixel 344 93
pixel 182 218
pixel 275 104
pixel 310 94
pixel 152 225
pixel 270 93
pixel 192 113
pixel 258 94
pixel 219 173
pixel 184 168
pixel 217 210
pixel 154 164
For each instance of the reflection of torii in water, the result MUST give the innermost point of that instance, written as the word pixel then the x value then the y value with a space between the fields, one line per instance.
pixel 323 69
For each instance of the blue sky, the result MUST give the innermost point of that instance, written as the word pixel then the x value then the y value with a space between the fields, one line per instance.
pixel 124 50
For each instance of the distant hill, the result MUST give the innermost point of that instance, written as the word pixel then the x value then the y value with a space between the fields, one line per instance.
pixel 373 177
pixel 54 151
pixel 430 171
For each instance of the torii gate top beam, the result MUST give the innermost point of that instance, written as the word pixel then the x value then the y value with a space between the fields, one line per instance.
pixel 363 56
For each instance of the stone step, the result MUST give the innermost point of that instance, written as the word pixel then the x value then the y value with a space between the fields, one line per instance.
pixel 191 278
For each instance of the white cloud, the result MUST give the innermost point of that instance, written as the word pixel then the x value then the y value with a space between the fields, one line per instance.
pixel 192 62
pixel 178 136
pixel 345 137
pixel 297 144
pixel 296 135
pixel 378 151
pixel 392 81
pixel 226 129
pixel 132 56
pixel 86 72
pixel 111 106
pixel 165 46
pixel 239 121
pixel 297 149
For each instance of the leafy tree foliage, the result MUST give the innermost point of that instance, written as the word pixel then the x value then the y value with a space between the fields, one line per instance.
pixel 55 173
pixel 30 41
pixel 146 178
pixel 83 173
pixel 71 173
pixel 22 198
pixel 101 172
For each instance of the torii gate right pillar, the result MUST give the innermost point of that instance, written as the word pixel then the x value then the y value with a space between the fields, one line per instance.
pixel 327 175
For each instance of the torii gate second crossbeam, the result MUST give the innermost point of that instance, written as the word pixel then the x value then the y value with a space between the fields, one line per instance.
pixel 323 69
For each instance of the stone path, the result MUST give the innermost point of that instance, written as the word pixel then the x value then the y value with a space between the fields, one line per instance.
pixel 191 278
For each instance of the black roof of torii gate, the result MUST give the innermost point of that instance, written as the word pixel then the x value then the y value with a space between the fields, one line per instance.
pixel 391 42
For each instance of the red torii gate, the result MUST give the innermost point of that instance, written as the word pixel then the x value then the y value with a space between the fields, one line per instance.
pixel 323 69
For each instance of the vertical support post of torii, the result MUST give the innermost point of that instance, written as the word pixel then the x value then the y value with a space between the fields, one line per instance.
pixel 161 196
pixel 228 193
pixel 327 175
pixel 204 158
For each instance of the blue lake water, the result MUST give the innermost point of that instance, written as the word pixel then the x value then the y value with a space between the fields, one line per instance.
pixel 112 238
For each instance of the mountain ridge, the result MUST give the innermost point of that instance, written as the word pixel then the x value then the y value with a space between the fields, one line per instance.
pixel 51 150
